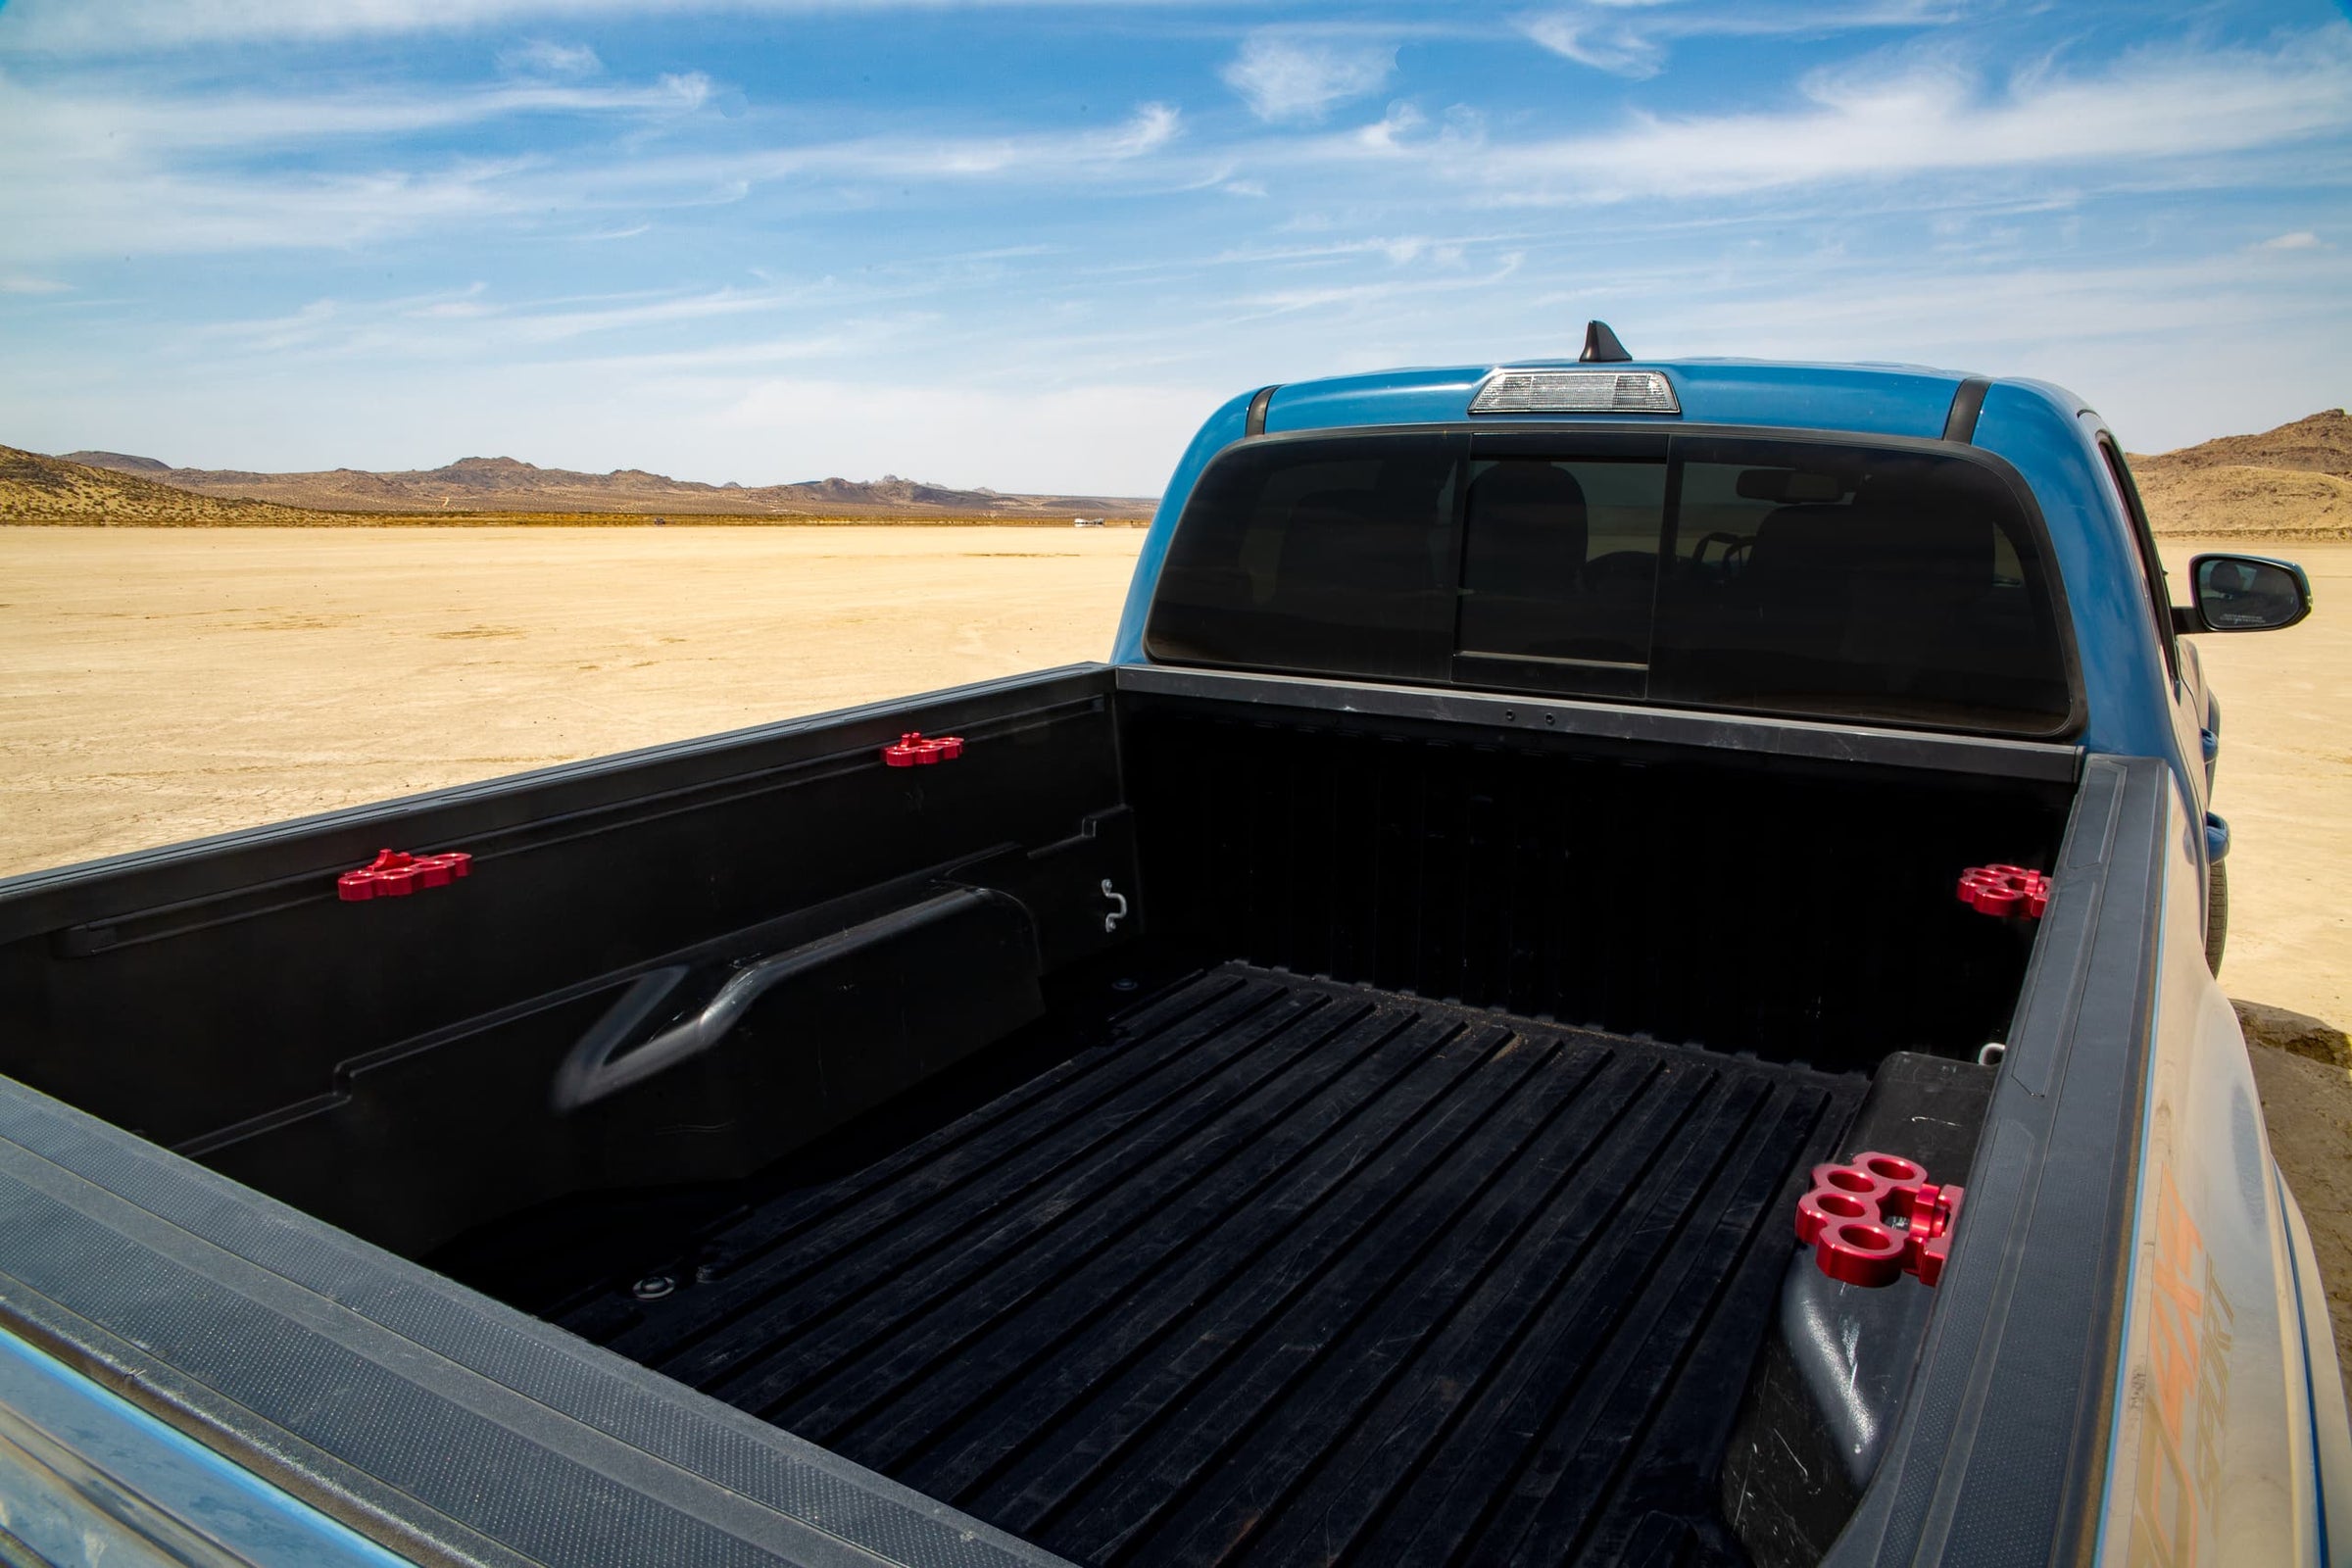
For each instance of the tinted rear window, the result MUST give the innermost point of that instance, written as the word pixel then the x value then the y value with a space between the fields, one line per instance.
pixel 1331 557
pixel 1826 580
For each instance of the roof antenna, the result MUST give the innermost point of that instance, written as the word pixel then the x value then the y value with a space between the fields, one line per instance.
pixel 1601 346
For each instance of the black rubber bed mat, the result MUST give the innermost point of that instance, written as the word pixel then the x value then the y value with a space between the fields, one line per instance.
pixel 1289 1272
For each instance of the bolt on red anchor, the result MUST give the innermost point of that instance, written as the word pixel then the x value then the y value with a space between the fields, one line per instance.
pixel 912 750
pixel 1878 1218
pixel 2001 890
pixel 396 873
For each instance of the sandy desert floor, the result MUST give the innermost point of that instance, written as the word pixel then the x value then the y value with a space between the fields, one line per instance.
pixel 158 685
pixel 2285 787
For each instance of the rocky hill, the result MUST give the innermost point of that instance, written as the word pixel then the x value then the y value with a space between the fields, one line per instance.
pixel 38 489
pixel 2294 482
pixel 2320 444
pixel 503 484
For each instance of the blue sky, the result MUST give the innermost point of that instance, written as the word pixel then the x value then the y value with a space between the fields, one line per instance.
pixel 1031 245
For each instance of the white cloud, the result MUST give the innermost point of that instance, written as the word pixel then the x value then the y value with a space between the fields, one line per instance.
pixel 542 57
pixel 1631 37
pixel 89 171
pixel 471 321
pixel 1288 77
pixel 1390 131
pixel 140 26
pixel 1619 48
pixel 19 283
pixel 1032 155
pixel 121 120
pixel 1883 119
pixel 2302 240
pixel 150 212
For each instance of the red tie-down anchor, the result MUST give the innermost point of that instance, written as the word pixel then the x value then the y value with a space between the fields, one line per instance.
pixel 2005 889
pixel 1877 1219
pixel 396 873
pixel 914 750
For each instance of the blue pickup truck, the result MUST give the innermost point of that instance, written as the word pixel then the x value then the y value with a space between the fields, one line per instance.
pixel 1618 969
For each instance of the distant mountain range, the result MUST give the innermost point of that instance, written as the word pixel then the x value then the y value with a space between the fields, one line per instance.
pixel 2292 483
pixel 474 485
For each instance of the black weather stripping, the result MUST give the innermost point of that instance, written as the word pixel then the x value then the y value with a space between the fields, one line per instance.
pixel 1254 424
pixel 1960 424
pixel 1601 346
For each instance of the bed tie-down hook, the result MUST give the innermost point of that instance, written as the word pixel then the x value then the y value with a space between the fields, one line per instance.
pixel 1110 921
pixel 1878 1217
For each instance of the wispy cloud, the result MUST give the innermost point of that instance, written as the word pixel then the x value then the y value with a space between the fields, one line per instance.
pixel 1033 156
pixel 104 168
pixel 127 26
pixel 2302 240
pixel 1633 38
pixel 1601 37
pixel 1888 118
pixel 472 320
pixel 542 57
pixel 1292 77
pixel 19 283
pixel 116 120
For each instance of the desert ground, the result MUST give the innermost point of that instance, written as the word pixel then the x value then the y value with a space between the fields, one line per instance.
pixel 2285 785
pixel 160 684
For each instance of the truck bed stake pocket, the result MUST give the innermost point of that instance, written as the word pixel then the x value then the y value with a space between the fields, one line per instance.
pixel 396 873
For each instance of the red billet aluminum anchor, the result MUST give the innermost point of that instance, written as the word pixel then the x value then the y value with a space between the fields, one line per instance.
pixel 2000 890
pixel 1878 1218
pixel 914 750
pixel 396 873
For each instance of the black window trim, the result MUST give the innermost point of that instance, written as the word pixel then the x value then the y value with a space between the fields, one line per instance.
pixel 1566 439
pixel 2143 542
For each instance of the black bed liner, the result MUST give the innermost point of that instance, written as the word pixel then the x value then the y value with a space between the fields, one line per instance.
pixel 1287 1271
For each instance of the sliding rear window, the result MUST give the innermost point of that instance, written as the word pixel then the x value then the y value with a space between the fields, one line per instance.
pixel 1818 580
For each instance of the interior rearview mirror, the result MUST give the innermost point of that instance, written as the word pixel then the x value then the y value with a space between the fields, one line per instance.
pixel 2244 593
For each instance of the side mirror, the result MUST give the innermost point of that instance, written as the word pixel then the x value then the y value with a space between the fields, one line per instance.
pixel 2244 593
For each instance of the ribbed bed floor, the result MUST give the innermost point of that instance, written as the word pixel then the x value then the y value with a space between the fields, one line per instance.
pixel 1290 1272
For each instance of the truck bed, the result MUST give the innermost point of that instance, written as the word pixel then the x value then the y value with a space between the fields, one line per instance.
pixel 1282 1271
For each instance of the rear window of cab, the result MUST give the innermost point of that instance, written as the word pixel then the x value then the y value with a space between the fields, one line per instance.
pixel 1852 582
